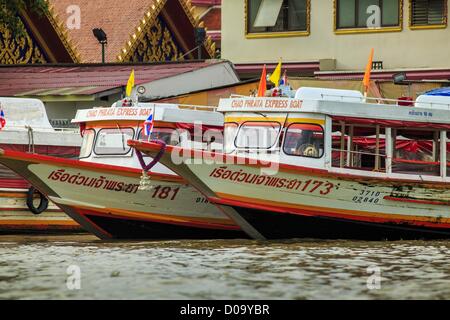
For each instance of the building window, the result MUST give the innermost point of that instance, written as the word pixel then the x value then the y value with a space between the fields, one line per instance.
pixel 368 15
pixel 428 13
pixel 277 17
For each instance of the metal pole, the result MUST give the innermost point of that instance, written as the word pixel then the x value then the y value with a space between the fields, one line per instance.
pixel 443 156
pixel 103 52
pixel 341 155
pixel 389 149
pixel 377 148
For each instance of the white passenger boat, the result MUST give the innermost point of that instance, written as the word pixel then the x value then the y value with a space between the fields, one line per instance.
pixel 27 129
pixel 101 190
pixel 327 164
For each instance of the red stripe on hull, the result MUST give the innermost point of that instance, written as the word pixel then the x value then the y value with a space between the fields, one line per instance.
pixel 40 159
pixel 42 227
pixel 438 203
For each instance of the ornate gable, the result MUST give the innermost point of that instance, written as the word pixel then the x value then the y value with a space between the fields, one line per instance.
pixel 165 33
pixel 19 50
pixel 45 40
pixel 156 43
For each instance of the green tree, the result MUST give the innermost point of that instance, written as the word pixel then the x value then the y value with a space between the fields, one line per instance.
pixel 9 12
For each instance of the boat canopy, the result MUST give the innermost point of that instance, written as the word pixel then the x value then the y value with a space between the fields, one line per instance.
pixel 162 112
pixel 307 93
pixel 445 92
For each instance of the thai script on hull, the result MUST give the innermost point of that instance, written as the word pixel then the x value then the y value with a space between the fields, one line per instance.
pixel 311 186
pixel 97 183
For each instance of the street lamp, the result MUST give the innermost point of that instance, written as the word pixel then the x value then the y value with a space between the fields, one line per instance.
pixel 200 36
pixel 102 39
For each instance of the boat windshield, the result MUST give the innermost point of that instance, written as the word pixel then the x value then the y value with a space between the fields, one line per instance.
pixel 230 130
pixel 87 144
pixel 303 139
pixel 257 135
pixel 112 141
pixel 170 136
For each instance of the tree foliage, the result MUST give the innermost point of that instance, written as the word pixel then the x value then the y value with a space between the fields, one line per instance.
pixel 10 9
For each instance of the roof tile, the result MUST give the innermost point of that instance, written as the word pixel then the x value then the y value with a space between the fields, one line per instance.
pixel 117 18
pixel 90 79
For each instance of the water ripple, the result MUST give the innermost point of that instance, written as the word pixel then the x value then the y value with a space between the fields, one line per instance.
pixel 36 268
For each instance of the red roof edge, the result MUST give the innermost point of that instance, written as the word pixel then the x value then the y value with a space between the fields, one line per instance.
pixel 291 67
pixel 206 2
pixel 432 74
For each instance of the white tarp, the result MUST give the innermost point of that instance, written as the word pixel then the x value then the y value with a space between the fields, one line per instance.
pixel 20 113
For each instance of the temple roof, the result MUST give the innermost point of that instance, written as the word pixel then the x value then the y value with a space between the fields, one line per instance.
pixel 211 15
pixel 122 21
pixel 213 19
pixel 117 18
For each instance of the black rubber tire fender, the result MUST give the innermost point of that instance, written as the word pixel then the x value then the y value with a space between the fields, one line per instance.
pixel 43 203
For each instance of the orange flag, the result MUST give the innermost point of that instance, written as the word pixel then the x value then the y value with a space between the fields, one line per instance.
pixel 366 80
pixel 262 83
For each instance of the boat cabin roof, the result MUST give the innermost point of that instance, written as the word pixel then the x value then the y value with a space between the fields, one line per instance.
pixel 22 112
pixel 345 104
pixel 162 112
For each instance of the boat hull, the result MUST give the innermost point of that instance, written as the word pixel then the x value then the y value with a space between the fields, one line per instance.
pixel 106 200
pixel 15 217
pixel 121 227
pixel 275 225
pixel 301 202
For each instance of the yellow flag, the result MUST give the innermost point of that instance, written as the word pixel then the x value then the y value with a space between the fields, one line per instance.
pixel 276 75
pixel 130 84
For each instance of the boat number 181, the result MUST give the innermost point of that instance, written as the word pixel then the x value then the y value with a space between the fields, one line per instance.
pixel 165 193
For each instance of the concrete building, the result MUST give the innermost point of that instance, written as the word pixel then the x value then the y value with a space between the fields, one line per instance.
pixel 330 37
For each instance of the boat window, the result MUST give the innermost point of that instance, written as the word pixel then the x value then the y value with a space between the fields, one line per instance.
pixel 257 135
pixel 170 136
pixel 305 140
pixel 416 152
pixel 87 143
pixel 359 147
pixel 113 141
pixel 230 130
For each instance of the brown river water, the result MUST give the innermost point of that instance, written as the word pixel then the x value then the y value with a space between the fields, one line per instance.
pixel 82 267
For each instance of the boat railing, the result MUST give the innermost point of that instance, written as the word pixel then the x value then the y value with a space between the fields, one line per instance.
pixel 68 130
pixel 374 100
pixel 388 101
pixel 351 159
pixel 359 152
pixel 46 129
